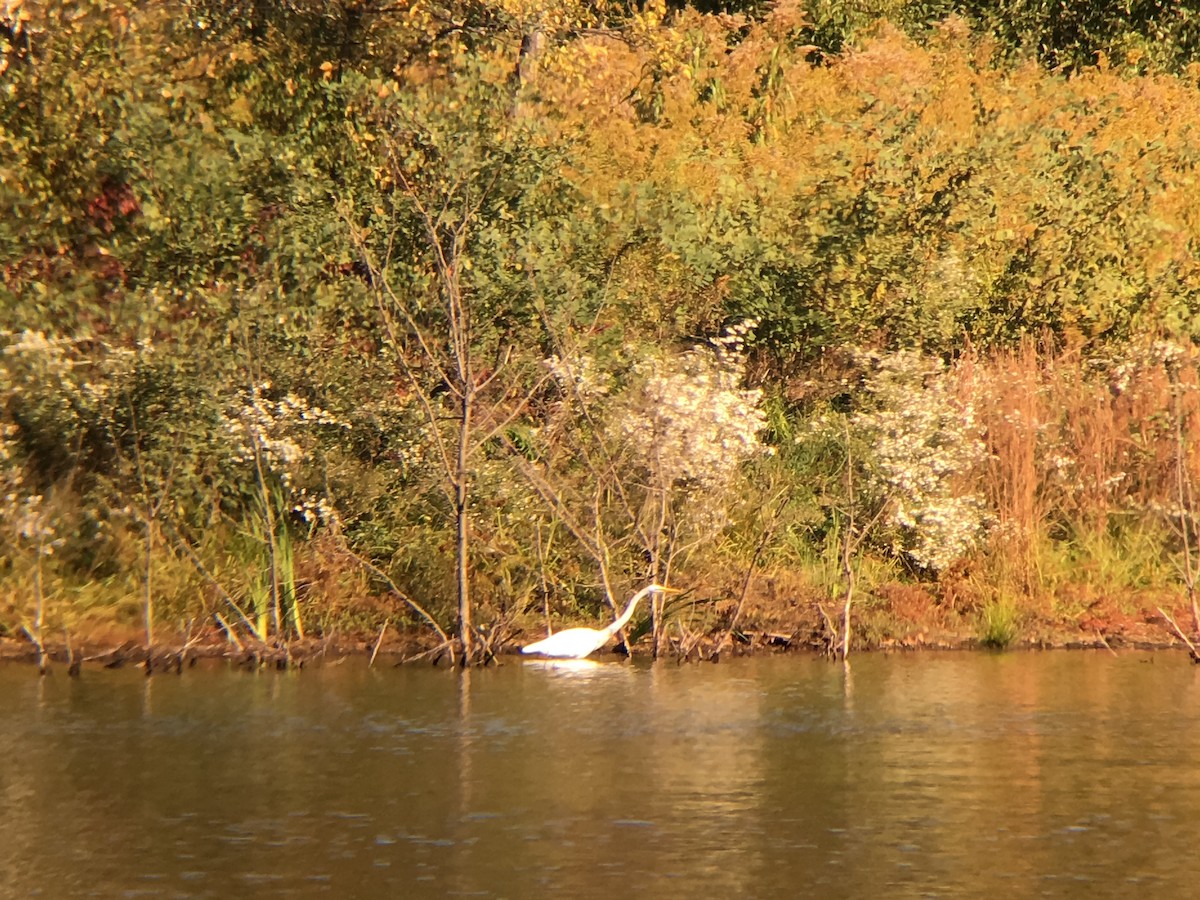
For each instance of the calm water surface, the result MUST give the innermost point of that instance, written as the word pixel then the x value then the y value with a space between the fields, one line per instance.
pixel 1025 775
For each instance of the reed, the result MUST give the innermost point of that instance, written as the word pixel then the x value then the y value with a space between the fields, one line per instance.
pixel 998 623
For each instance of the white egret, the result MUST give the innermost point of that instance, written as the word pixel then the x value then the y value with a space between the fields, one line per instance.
pixel 576 643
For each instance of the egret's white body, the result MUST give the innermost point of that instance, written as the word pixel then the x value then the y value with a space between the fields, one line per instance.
pixel 576 643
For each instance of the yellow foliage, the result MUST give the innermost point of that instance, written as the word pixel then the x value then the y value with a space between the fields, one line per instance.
pixel 1068 199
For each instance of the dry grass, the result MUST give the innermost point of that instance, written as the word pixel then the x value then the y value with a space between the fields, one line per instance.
pixel 1081 471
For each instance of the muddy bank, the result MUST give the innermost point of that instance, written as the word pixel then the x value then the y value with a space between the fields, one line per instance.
pixel 176 653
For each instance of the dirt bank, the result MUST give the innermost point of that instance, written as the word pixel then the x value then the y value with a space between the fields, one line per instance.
pixel 904 624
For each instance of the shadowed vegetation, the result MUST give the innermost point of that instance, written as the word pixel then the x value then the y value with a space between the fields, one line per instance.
pixel 462 316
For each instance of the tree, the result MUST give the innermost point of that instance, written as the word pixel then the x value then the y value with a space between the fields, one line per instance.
pixel 643 453
pixel 460 181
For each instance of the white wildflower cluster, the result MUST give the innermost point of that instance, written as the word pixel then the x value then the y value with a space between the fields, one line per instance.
pixel 25 516
pixel 1171 510
pixel 580 375
pixel 1168 353
pixel 953 284
pixel 52 353
pixel 314 508
pixel 6 455
pixel 12 478
pixel 413 451
pixel 730 347
pixel 923 441
pixel 692 418
pixel 1132 367
pixel 267 429
pixel 62 380
pixel 31 522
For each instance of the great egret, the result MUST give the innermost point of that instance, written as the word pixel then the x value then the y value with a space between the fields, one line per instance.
pixel 576 643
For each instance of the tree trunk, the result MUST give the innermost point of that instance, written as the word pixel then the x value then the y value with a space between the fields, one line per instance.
pixel 848 574
pixel 148 598
pixel 40 599
pixel 463 542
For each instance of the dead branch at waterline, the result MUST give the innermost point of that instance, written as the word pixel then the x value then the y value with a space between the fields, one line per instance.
pixel 35 639
pixel 378 642
pixel 1180 634
pixel 764 539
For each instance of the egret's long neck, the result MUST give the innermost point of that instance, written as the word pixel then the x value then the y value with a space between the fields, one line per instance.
pixel 627 614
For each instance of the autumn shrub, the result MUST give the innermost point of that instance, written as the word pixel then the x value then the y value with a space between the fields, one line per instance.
pixel 1087 459
pixel 197 205
pixel 910 450
pixel 902 195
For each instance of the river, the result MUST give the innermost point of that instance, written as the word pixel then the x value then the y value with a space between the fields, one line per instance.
pixel 1063 774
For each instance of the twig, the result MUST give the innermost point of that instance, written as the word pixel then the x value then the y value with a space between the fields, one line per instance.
pixel 229 632
pixel 198 564
pixel 73 664
pixel 1106 644
pixel 1183 484
pixel 541 555
pixel 446 644
pixel 190 640
pixel 412 604
pixel 758 551
pixel 489 639
pixel 378 642
pixel 685 646
pixel 831 642
pixel 1179 631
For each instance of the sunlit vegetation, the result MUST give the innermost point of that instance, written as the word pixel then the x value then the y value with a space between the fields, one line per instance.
pixel 458 315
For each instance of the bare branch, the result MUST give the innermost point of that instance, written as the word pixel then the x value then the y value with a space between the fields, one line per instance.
pixel 512 415
pixel 764 539
pixel 198 564
pixel 1179 631
pixel 552 499
pixel 383 576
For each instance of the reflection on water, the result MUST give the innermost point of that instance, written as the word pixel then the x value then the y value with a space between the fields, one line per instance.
pixel 579 668
pixel 1066 775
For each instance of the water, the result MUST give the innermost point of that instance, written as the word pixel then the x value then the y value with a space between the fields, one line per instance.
pixel 957 775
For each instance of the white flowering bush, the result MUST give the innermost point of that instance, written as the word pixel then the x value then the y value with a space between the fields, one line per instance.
pixel 11 475
pixel 580 377
pixel 688 417
pixel 28 529
pixel 39 376
pixel 267 434
pixel 24 514
pixel 662 438
pixel 924 441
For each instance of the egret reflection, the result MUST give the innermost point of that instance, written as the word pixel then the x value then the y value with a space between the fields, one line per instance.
pixel 576 667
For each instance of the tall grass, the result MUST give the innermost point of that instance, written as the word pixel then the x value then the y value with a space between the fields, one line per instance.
pixel 1080 471
pixel 998 623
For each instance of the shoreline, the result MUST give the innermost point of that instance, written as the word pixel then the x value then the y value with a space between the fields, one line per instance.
pixel 175 654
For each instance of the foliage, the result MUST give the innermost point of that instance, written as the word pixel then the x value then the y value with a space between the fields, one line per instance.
pixel 924 447
pixel 1142 34
pixel 663 440
pixel 258 258
pixel 998 626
